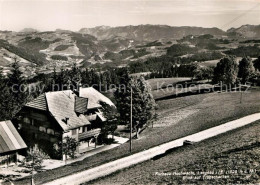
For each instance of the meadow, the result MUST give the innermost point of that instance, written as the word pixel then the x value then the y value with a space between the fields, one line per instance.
pixel 230 158
pixel 159 83
pixel 178 117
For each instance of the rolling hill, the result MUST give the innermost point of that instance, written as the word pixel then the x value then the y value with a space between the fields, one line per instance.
pixel 148 32
pixel 246 31
pixel 114 45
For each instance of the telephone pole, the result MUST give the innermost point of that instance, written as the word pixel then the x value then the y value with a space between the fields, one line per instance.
pixel 131 119
pixel 32 177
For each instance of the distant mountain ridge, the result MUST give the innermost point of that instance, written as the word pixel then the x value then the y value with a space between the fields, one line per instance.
pixel 29 30
pixel 247 31
pixel 148 32
pixel 104 44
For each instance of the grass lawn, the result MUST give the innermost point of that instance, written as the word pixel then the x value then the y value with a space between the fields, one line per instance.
pixel 231 158
pixel 205 111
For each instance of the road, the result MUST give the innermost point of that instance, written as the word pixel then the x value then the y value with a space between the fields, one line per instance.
pixel 125 162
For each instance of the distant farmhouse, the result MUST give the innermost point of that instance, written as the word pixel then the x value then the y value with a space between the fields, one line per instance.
pixel 52 116
pixel 10 143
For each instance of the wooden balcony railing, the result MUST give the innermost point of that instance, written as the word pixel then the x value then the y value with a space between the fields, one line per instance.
pixel 89 134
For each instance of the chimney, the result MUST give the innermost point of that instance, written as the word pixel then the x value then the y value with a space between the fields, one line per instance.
pixel 79 86
pixel 76 91
pixel 66 120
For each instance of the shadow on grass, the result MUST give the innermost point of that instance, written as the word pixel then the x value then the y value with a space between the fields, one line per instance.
pixel 170 151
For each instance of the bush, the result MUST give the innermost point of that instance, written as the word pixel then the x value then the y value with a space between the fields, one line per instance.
pixel 180 49
pixel 59 57
pixel 62 47
pixel 105 140
pixel 242 51
pixel 140 53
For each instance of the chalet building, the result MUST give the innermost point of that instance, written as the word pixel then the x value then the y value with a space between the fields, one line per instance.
pixel 52 116
pixel 10 143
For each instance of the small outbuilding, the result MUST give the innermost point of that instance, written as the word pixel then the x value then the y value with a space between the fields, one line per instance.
pixel 10 143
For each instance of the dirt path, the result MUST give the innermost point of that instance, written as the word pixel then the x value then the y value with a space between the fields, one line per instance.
pixel 125 162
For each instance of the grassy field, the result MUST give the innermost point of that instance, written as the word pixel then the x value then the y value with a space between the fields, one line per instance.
pixel 177 118
pixel 167 88
pixel 210 63
pixel 158 83
pixel 180 90
pixel 231 158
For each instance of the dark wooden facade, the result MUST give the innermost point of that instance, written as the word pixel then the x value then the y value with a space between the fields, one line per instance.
pixel 52 116
pixel 37 127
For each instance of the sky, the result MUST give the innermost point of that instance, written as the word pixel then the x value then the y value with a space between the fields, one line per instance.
pixel 47 15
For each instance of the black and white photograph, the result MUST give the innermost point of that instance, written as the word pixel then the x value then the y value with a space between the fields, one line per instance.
pixel 120 92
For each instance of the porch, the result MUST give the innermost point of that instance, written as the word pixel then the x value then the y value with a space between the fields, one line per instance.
pixel 51 163
pixel 88 140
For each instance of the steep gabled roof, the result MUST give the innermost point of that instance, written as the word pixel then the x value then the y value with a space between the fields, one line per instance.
pixel 61 105
pixel 101 116
pixel 94 97
pixel 38 103
pixel 10 140
pixel 67 108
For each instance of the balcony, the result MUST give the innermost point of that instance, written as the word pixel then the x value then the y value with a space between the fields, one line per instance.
pixel 89 134
pixel 92 117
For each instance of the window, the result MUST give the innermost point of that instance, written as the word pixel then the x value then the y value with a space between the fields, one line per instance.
pixel 85 129
pixel 50 131
pixel 42 129
pixel 74 131
pixel 80 129
pixel 26 120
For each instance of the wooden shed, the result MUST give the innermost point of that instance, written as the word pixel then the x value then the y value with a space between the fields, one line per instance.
pixel 10 143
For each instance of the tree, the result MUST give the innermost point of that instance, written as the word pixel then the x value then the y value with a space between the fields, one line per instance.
pixel 110 124
pixel 257 64
pixel 4 99
pixel 179 50
pixel 75 76
pixel 34 160
pixel 86 78
pixel 95 79
pixel 122 95
pixel 226 71
pixel 8 107
pixel 16 82
pixel 13 93
pixel 54 74
pixel 61 81
pixel 35 157
pixel 195 69
pixel 16 75
pixel 67 147
pixel 203 73
pixel 246 69
pixel 143 102
pixel 1 74
pixel 105 79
